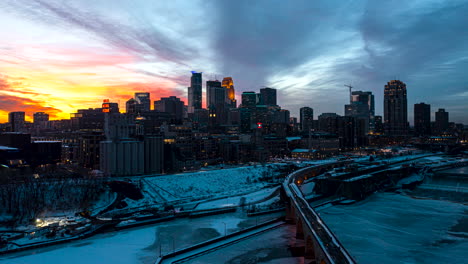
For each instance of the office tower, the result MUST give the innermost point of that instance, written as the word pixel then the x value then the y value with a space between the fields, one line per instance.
pixel 195 92
pixel 143 102
pixel 172 105
pixel 268 96
pixel 216 103
pixel 16 120
pixel 306 117
pixel 395 109
pixel 422 119
pixel 228 83
pixel 215 94
pixel 441 121
pixel 249 99
pixel 130 106
pixel 362 107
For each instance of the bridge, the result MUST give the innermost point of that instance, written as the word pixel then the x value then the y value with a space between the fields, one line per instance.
pixel 321 245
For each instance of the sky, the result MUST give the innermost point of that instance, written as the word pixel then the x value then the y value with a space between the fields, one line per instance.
pixel 60 56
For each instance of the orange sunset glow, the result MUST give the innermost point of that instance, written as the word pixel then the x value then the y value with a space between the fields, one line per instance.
pixel 66 80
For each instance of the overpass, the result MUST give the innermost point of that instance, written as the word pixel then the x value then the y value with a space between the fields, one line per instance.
pixel 321 245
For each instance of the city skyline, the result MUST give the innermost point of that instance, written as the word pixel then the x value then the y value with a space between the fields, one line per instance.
pixel 61 57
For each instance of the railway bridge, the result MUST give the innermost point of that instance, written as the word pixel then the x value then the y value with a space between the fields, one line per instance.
pixel 321 245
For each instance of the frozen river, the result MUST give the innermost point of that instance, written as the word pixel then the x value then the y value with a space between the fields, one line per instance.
pixel 395 228
pixel 138 245
pixel 271 247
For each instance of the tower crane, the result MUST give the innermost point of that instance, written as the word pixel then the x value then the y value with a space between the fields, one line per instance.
pixel 350 96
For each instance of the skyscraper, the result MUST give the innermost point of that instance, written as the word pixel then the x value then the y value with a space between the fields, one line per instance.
pixel 143 102
pixel 306 117
pixel 441 121
pixel 422 119
pixel 16 120
pixel 195 92
pixel 130 106
pixel 362 107
pixel 268 96
pixel 215 94
pixel 228 83
pixel 216 102
pixel 395 108
pixel 249 99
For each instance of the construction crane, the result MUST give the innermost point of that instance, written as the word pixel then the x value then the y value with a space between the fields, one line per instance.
pixel 350 96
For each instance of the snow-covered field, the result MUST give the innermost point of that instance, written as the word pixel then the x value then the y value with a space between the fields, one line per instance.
pixel 395 228
pixel 258 196
pixel 205 184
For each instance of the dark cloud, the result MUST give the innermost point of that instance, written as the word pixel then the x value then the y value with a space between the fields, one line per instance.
pixel 261 38
pixel 424 44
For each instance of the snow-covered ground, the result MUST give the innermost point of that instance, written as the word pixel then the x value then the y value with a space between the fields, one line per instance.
pixel 138 245
pixel 254 197
pixel 206 184
pixel 395 228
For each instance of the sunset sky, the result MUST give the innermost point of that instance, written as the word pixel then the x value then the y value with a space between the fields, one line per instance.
pixel 60 56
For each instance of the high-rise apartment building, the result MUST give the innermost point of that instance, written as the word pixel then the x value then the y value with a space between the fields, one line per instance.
pixel 40 120
pixel 195 92
pixel 395 109
pixel 40 117
pixel 17 121
pixel 422 119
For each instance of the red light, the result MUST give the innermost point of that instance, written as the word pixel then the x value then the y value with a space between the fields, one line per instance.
pixel 259 125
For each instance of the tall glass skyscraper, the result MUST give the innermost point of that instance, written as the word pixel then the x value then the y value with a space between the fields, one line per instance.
pixel 195 92
pixel 362 107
